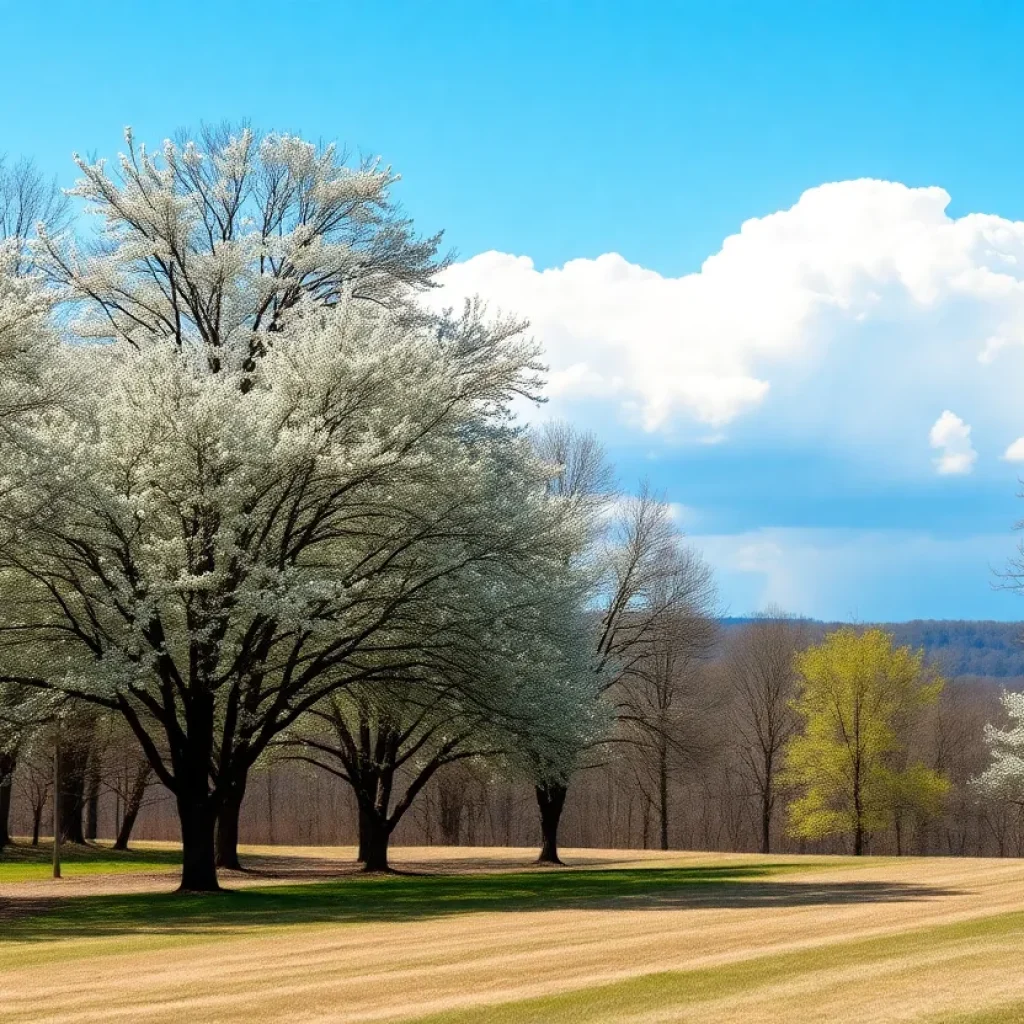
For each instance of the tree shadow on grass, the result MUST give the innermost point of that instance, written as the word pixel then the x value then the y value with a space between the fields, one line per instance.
pixel 361 899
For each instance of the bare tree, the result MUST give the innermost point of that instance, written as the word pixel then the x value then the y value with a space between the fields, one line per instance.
pixel 132 800
pixel 35 776
pixel 27 199
pixel 763 681
pixel 660 703
pixel 644 580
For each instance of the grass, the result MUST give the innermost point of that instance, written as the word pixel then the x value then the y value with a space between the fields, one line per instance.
pixel 369 898
pixel 1012 1013
pixel 724 942
pixel 669 992
pixel 22 862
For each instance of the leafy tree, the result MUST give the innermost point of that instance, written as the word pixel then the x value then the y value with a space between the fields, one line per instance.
pixel 857 694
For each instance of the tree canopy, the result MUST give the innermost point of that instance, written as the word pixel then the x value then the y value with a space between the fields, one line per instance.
pixel 857 694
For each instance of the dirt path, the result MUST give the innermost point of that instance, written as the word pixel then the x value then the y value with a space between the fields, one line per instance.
pixel 390 971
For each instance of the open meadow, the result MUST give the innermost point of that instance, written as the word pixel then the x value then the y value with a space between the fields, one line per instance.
pixel 479 935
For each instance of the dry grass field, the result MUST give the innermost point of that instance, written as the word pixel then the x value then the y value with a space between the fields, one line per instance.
pixel 479 935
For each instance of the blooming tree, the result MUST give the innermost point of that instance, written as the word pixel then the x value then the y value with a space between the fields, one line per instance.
pixel 514 675
pixel 212 245
pixel 1004 777
pixel 211 565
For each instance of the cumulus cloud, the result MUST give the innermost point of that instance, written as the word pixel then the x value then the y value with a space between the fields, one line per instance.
pixel 950 434
pixel 861 292
pixel 1015 453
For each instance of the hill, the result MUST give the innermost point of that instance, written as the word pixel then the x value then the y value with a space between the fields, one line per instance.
pixel 961 646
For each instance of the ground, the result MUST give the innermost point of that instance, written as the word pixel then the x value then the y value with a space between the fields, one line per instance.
pixel 480 935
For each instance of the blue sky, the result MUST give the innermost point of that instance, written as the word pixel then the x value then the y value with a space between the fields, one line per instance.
pixel 782 382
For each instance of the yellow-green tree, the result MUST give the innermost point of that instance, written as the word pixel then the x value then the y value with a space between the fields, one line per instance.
pixel 857 699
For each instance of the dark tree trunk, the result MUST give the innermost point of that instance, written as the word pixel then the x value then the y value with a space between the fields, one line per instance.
pixel 92 801
pixel 663 795
pixel 37 823
pixel 375 843
pixel 766 821
pixel 197 807
pixel 72 793
pixel 858 834
pixel 133 805
pixel 550 801
pixel 7 765
pixel 451 798
pixel 227 828
pixel 364 834
pixel 198 860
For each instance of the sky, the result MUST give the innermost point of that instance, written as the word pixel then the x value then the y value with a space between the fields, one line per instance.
pixel 774 251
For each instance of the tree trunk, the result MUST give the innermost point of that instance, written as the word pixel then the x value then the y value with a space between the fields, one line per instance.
pixel 766 822
pixel 37 823
pixel 550 801
pixel 663 795
pixel 7 763
pixel 451 798
pixel 364 834
pixel 92 801
pixel 197 809
pixel 72 795
pixel 227 828
pixel 858 840
pixel 375 844
pixel 133 805
pixel 198 859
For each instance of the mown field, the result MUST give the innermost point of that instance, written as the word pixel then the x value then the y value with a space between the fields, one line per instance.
pixel 462 936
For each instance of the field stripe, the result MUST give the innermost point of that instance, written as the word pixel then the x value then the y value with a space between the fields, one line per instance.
pixel 663 995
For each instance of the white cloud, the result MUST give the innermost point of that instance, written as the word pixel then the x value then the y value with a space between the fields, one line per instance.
pixel 953 436
pixel 864 295
pixel 1015 453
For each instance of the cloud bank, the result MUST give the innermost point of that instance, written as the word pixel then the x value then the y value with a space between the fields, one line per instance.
pixel 862 311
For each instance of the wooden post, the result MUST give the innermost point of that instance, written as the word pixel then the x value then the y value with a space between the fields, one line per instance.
pixel 56 808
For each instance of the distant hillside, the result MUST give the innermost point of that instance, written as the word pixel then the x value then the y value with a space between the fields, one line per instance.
pixel 961 647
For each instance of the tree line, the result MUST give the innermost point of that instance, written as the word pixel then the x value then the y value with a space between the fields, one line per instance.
pixel 260 507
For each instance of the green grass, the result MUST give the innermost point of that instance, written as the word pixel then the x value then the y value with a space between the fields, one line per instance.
pixel 21 862
pixel 112 924
pixel 677 991
pixel 366 898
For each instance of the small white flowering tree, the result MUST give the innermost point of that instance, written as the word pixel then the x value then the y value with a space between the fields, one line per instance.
pixel 1004 777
